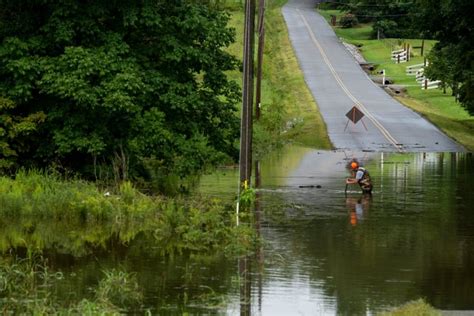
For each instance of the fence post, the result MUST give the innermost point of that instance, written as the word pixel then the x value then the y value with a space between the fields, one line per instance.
pixel 426 84
pixel 398 58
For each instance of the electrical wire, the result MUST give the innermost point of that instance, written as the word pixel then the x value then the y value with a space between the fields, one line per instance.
pixel 362 5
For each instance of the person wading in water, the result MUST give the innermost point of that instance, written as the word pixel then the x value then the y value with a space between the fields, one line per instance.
pixel 361 177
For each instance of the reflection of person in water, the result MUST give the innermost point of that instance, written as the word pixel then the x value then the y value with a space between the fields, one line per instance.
pixel 358 207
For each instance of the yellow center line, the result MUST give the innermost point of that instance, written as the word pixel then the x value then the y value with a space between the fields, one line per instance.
pixel 376 123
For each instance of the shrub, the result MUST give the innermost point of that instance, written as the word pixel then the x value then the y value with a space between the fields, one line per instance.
pixel 348 20
pixel 387 27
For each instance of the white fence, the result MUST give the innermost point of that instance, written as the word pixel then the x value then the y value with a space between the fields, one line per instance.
pixel 420 75
pixel 400 56
pixel 419 72
pixel 428 84
pixel 413 69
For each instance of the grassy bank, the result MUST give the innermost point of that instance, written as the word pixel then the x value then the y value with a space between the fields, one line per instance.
pixel 40 211
pixel 438 107
pixel 289 112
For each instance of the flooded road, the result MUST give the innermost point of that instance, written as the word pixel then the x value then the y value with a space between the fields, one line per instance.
pixel 325 252
pixel 328 253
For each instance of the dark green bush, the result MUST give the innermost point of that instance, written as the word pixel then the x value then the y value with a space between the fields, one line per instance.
pixel 388 28
pixel 348 20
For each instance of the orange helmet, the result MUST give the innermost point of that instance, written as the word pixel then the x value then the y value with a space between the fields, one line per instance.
pixel 354 165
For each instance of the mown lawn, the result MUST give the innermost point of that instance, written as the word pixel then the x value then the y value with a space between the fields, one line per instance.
pixel 438 107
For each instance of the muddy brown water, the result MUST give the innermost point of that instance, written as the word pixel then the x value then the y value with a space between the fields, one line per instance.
pixel 325 252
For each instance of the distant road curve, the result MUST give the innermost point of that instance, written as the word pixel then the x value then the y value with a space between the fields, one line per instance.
pixel 338 83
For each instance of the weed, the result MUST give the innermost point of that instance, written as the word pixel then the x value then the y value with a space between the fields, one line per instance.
pixel 415 308
pixel 25 289
pixel 119 288
pixel 247 197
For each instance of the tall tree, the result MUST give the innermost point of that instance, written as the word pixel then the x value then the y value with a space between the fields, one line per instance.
pixel 450 22
pixel 119 83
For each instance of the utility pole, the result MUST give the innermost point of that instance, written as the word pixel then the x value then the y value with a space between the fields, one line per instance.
pixel 247 96
pixel 261 43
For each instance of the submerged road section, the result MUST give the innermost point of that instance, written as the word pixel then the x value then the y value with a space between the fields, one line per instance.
pixel 338 83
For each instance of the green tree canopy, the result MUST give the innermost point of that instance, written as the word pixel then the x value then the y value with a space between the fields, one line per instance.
pixel 450 22
pixel 116 83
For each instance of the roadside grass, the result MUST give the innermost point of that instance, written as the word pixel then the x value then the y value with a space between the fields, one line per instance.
pixel 438 107
pixel 288 110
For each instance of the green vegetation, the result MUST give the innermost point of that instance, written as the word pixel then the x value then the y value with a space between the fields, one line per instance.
pixel 85 218
pixel 116 91
pixel 451 57
pixel 25 286
pixel 358 32
pixel 436 105
pixel 387 18
pixel 141 93
pixel 415 308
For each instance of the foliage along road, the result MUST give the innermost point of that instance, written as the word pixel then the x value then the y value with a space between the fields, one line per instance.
pixel 338 83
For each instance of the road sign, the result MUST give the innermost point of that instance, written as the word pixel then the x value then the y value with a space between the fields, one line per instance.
pixel 354 115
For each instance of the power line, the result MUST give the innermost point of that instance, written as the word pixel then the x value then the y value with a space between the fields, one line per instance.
pixel 363 5
pixel 380 15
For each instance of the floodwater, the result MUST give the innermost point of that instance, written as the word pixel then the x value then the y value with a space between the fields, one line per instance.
pixel 330 253
pixel 327 251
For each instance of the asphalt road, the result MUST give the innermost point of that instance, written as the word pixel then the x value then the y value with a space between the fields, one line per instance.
pixel 338 83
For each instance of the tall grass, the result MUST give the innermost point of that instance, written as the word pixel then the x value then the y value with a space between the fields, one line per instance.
pixel 26 289
pixel 39 210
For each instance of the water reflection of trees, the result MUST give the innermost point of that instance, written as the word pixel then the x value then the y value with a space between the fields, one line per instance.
pixel 68 237
pixel 172 278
